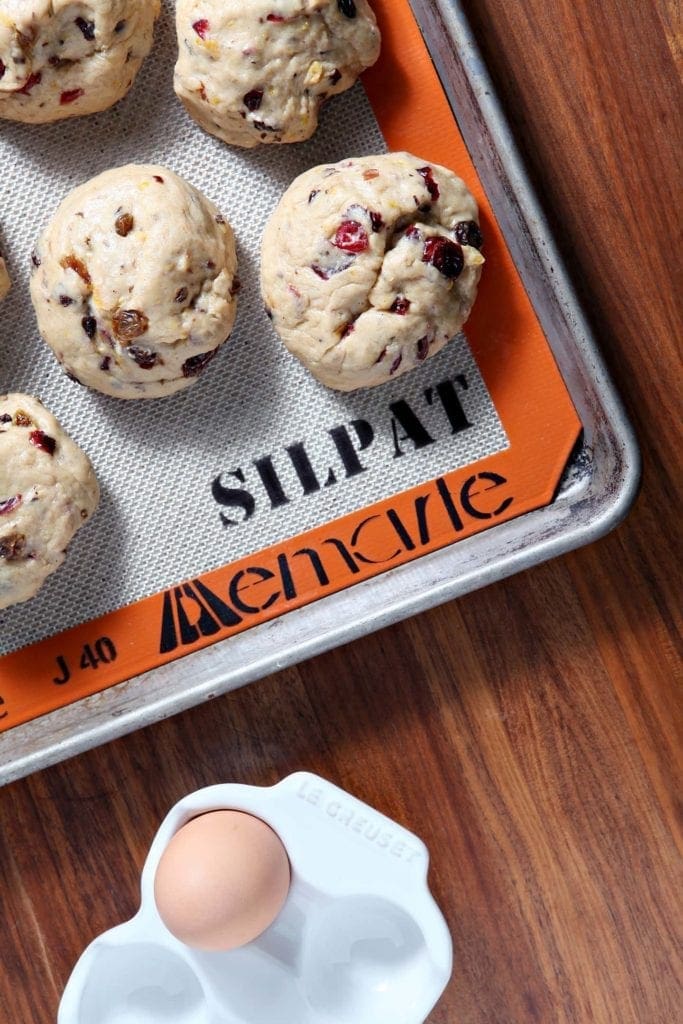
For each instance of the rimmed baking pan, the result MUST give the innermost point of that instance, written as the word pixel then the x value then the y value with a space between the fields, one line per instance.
pixel 506 449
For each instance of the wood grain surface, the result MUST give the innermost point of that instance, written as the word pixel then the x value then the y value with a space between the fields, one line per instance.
pixel 530 733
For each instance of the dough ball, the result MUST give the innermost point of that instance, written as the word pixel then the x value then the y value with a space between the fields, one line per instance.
pixel 65 58
pixel 48 491
pixel 134 282
pixel 260 71
pixel 5 282
pixel 370 266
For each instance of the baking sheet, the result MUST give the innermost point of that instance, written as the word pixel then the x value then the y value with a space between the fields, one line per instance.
pixel 594 491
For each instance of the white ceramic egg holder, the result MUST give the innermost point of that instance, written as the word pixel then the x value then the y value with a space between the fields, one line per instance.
pixel 359 940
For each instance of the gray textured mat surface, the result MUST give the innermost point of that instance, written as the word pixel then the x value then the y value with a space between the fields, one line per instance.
pixel 156 461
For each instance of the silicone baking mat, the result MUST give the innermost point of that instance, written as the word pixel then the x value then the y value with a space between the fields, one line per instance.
pixel 258 490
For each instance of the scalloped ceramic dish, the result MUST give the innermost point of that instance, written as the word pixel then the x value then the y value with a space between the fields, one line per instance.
pixel 360 939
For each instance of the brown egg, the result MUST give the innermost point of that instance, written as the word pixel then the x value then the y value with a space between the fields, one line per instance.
pixel 222 880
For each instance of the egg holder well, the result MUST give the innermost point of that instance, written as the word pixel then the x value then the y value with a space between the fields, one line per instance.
pixel 360 939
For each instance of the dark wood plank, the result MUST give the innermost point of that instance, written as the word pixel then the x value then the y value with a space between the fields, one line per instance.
pixel 529 733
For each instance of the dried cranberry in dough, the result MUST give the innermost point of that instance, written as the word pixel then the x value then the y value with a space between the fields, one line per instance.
pixel 66 58
pixel 367 269
pixel 258 72
pixel 134 281
pixel 48 491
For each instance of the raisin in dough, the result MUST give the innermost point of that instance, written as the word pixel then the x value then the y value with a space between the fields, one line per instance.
pixel 61 58
pixel 47 492
pixel 5 283
pixel 134 282
pixel 259 71
pixel 370 266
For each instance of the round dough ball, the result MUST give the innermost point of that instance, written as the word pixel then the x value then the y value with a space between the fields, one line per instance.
pixel 47 492
pixel 370 266
pixel 61 58
pixel 134 282
pixel 258 72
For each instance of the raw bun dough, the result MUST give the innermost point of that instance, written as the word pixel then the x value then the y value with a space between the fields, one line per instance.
pixel 370 266
pixel 258 72
pixel 47 492
pixel 134 282
pixel 61 58
pixel 5 283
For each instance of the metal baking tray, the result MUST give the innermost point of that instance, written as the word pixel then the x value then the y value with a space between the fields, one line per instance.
pixel 597 489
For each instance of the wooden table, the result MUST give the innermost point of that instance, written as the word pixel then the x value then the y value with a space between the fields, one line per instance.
pixel 526 732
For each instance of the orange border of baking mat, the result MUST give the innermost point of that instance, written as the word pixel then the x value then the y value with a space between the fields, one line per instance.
pixel 530 397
